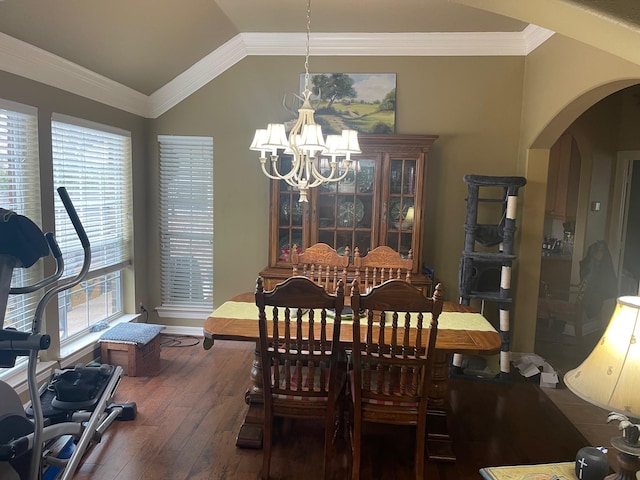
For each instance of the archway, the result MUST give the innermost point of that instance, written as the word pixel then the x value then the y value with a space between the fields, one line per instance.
pixel 578 119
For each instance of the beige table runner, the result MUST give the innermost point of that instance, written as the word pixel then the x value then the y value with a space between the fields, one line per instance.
pixel 447 320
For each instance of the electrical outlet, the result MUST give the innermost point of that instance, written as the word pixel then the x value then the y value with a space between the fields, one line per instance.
pixel 142 308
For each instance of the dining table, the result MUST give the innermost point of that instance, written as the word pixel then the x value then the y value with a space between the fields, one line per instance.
pixel 461 329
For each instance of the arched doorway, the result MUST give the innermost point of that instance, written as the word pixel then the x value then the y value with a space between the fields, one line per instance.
pixel 594 139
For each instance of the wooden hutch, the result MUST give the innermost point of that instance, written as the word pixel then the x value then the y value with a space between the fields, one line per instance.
pixel 380 202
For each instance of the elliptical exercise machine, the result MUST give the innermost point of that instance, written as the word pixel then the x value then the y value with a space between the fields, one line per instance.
pixel 78 401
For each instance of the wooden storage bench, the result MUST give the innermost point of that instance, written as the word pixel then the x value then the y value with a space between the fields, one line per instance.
pixel 133 346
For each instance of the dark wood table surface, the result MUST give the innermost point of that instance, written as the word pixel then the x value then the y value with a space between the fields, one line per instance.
pixel 484 340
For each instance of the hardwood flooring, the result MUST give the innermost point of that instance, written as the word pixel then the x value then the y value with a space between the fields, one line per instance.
pixel 189 414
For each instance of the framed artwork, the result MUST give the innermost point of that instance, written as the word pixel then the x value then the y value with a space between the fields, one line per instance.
pixel 365 102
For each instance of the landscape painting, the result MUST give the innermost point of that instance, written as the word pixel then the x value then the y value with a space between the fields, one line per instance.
pixel 365 102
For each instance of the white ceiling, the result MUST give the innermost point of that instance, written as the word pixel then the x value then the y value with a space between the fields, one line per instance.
pixel 147 49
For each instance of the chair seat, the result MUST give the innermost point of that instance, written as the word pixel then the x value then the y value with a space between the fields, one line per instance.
pixel 390 403
pixel 300 398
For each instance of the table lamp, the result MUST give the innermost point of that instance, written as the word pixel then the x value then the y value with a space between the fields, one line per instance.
pixel 610 379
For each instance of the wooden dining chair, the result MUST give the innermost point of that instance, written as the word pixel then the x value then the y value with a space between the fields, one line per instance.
pixel 322 264
pixel 303 367
pixel 379 265
pixel 393 350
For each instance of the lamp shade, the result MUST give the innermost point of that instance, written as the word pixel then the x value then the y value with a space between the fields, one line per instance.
pixel 610 375
pixel 276 138
pixel 260 138
pixel 311 139
pixel 349 143
pixel 333 143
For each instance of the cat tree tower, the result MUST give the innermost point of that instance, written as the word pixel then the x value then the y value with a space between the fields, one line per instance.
pixel 487 258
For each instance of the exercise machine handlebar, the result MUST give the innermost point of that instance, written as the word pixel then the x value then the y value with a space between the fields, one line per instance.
pixel 75 220
pixel 14 340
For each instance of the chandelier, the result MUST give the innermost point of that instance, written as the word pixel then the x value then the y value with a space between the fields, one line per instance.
pixel 315 160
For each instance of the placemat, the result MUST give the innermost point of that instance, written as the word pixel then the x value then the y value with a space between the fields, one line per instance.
pixel 564 471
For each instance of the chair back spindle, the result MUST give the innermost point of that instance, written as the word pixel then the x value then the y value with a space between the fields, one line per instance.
pixel 299 324
pixel 392 358
pixel 379 265
pixel 322 264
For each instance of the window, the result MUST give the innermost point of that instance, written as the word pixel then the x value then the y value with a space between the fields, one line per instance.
pixel 94 163
pixel 20 192
pixel 186 223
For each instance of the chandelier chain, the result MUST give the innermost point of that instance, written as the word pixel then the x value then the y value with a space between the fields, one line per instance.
pixel 310 159
pixel 306 58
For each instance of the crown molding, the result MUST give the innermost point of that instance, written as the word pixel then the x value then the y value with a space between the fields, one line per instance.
pixel 198 75
pixel 534 36
pixel 393 44
pixel 31 62
pixel 25 60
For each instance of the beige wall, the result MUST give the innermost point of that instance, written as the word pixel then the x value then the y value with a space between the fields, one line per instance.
pixel 563 79
pixel 473 104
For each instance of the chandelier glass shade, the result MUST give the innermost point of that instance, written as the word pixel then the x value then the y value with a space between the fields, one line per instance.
pixel 315 159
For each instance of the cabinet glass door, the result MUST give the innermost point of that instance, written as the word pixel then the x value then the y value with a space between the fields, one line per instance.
pixel 291 216
pixel 346 211
pixel 401 205
pixel 379 203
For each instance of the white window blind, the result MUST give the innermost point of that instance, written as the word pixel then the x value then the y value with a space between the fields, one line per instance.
pixel 186 220
pixel 20 192
pixel 94 163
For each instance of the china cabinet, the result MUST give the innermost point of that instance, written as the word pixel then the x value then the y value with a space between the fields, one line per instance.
pixel 380 202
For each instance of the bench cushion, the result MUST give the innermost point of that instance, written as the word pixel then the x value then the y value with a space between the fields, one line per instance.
pixel 132 333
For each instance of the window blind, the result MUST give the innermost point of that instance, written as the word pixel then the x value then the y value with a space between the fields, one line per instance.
pixel 186 220
pixel 94 163
pixel 20 192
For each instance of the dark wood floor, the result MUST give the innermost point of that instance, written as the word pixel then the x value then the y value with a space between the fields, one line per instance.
pixel 190 412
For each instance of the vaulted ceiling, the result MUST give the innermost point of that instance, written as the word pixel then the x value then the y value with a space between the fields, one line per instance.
pixel 141 46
